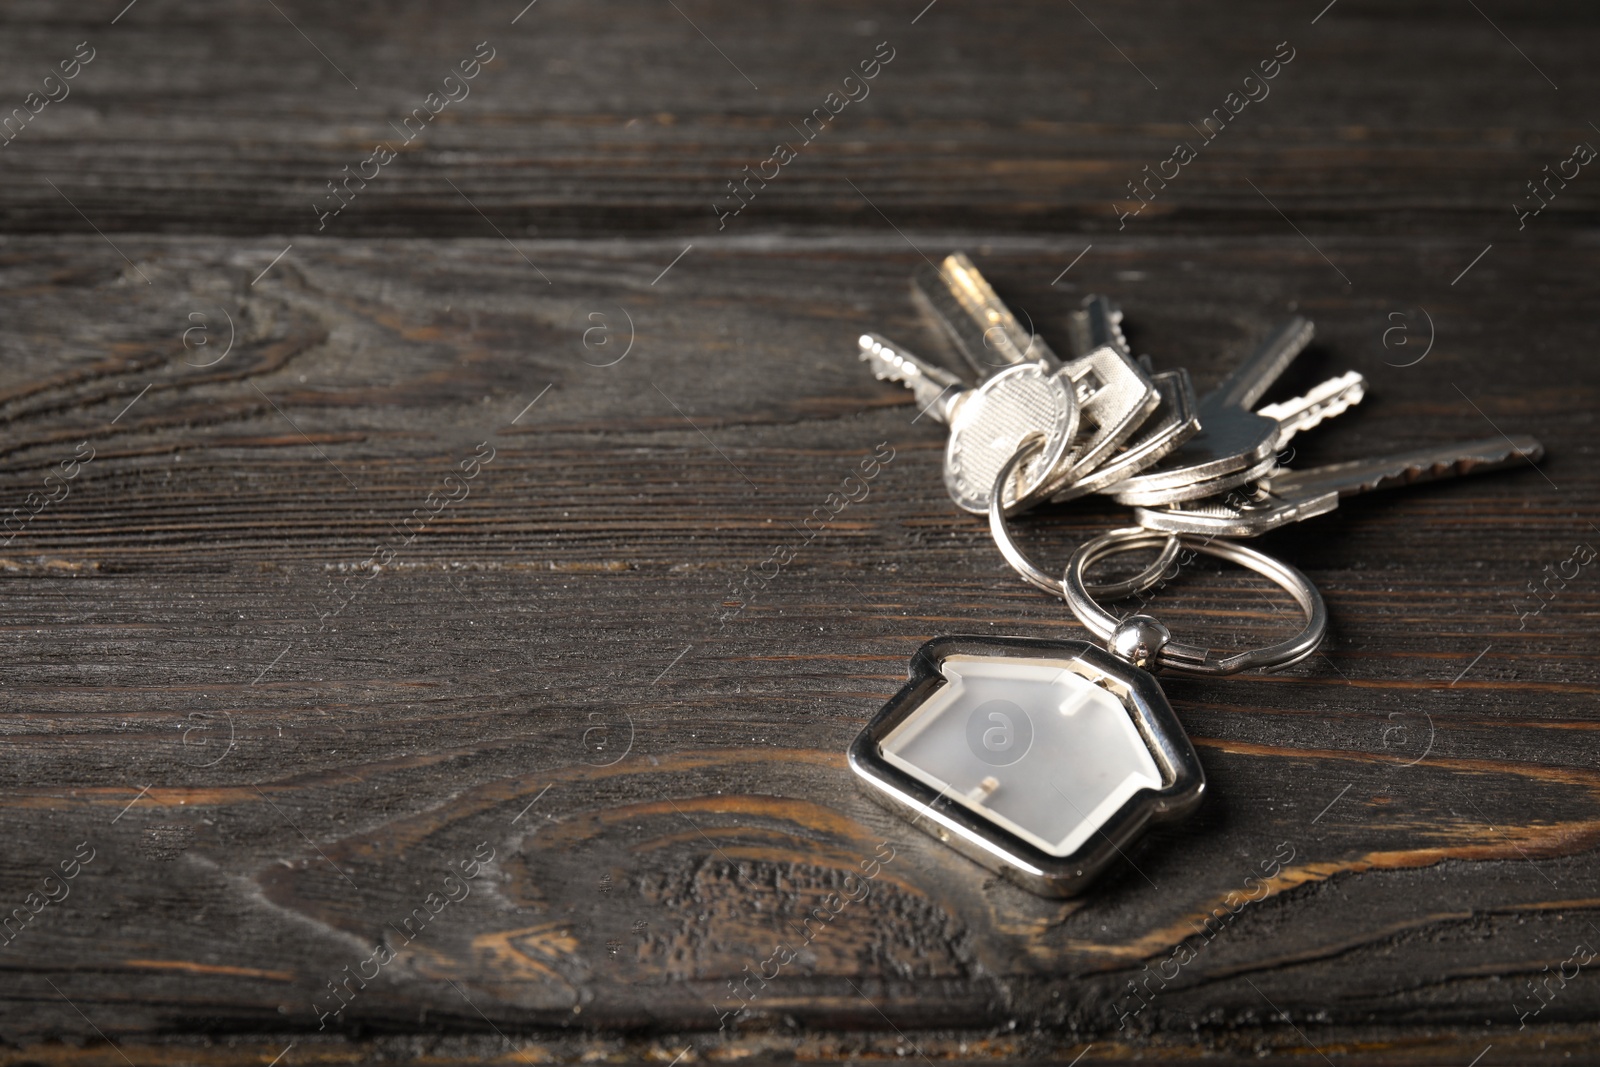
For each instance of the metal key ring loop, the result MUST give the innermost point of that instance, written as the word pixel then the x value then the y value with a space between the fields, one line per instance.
pixel 1192 659
pixel 1037 578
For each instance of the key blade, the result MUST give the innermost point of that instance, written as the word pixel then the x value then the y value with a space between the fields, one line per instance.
pixel 1097 322
pixel 1409 468
pixel 1232 437
pixel 1239 513
pixel 935 300
pixel 1249 380
pixel 1104 324
pixel 1331 398
pixel 982 327
pixel 1141 494
pixel 937 391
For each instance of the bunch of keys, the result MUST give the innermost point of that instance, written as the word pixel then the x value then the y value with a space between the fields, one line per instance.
pixel 1106 423
pixel 1045 760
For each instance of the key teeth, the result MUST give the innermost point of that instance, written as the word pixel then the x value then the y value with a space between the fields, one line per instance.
pixel 877 355
pixel 1348 396
pixel 1423 465
pixel 1100 310
pixel 1304 331
pixel 1119 340
pixel 876 351
pixel 1439 469
pixel 1332 397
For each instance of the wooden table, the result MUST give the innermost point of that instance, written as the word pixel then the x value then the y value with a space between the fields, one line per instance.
pixel 379 610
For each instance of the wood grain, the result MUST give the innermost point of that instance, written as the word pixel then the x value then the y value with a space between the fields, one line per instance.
pixel 276 750
pixel 479 689
pixel 629 117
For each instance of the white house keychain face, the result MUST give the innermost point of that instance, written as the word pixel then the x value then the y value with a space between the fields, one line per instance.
pixel 1039 759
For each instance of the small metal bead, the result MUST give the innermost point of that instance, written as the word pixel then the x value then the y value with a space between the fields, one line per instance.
pixel 1139 640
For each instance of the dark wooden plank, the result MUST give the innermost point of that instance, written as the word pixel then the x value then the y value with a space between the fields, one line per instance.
pixel 599 117
pixel 1441 806
pixel 554 667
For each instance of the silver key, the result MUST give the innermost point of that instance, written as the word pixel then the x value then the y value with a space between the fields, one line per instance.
pixel 1120 415
pixel 1113 393
pixel 1292 496
pixel 1115 397
pixel 1172 419
pixel 1320 403
pixel 988 422
pixel 1173 423
pixel 937 391
pixel 1236 445
pixel 984 330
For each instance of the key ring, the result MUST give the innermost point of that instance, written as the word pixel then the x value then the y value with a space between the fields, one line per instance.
pixel 1037 578
pixel 1142 638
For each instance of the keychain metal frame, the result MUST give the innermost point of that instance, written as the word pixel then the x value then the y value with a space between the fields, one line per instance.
pixel 990 844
